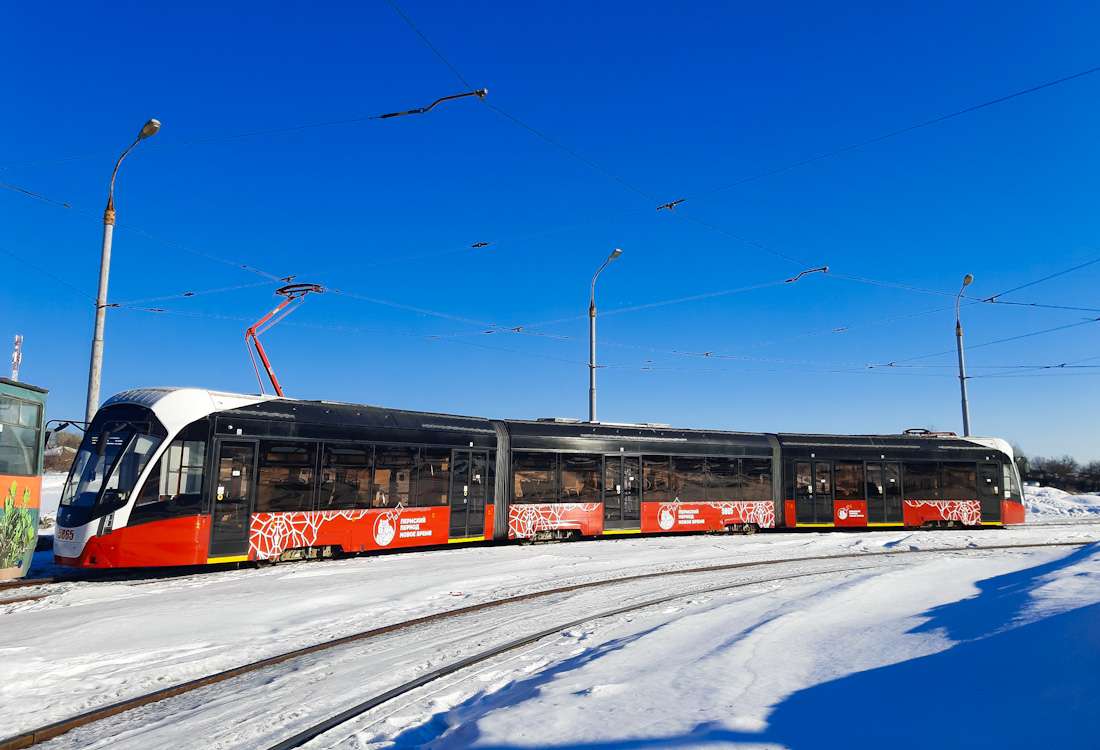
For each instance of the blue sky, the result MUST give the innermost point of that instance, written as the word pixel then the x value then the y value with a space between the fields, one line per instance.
pixel 673 102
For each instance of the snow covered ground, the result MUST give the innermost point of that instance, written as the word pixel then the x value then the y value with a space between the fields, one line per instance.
pixel 1048 504
pixel 966 648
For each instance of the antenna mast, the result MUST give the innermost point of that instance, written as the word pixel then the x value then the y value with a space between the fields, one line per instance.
pixel 16 357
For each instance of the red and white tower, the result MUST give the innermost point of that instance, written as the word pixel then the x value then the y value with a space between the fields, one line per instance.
pixel 16 357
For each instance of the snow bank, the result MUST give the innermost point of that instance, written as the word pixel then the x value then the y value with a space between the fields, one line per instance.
pixel 1044 503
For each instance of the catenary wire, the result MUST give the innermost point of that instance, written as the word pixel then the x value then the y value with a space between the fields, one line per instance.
pixel 898 132
pixel 859 368
pixel 142 232
pixel 47 273
pixel 348 329
pixel 151 147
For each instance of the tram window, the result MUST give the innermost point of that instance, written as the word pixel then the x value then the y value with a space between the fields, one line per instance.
pixel 174 487
pixel 689 479
pixel 394 476
pixel 285 482
pixel 656 477
pixel 849 480
pixel 345 477
pixel 922 481
pixel 580 477
pixel 535 477
pixel 960 481
pixel 804 478
pixel 435 476
pixel 756 480
pixel 723 480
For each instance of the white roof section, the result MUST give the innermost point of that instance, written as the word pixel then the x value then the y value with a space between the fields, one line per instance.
pixel 178 407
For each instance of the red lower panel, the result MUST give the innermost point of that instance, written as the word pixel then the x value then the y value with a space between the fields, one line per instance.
pixel 177 541
pixel 659 517
pixel 525 520
pixel 789 517
pixel 1011 512
pixel 850 512
pixel 969 512
pixel 490 515
pixel 351 530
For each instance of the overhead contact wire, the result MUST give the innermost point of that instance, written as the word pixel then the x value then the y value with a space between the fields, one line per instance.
pixel 898 132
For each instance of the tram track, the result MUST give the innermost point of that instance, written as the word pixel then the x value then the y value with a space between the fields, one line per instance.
pixel 56 729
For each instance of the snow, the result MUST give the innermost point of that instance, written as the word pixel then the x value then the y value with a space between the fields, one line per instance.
pixel 1047 503
pixel 52 484
pixel 965 648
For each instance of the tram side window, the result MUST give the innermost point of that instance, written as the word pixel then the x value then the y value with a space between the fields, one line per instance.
pixel 535 477
pixel 848 478
pixel 960 481
pixel 656 474
pixel 723 480
pixel 285 482
pixel 174 487
pixel 922 481
pixel 345 477
pixel 394 476
pixel 19 432
pixel 689 479
pixel 435 476
pixel 757 479
pixel 580 477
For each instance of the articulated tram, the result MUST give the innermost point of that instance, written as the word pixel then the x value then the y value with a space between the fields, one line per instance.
pixel 183 476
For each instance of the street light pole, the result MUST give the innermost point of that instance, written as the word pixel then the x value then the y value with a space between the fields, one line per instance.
pixel 96 368
pixel 962 366
pixel 592 340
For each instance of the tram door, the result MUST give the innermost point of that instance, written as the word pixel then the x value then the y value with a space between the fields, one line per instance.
pixel 989 491
pixel 622 493
pixel 813 492
pixel 469 490
pixel 233 492
pixel 884 492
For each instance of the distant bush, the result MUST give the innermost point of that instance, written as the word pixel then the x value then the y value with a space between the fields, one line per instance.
pixel 1064 473
pixel 61 451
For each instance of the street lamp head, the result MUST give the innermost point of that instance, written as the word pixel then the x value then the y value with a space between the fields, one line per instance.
pixel 615 254
pixel 968 279
pixel 150 128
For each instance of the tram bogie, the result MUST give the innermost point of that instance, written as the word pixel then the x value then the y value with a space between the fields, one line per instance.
pixel 186 476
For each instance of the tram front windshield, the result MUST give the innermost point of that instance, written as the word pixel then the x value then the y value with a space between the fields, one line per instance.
pixel 116 449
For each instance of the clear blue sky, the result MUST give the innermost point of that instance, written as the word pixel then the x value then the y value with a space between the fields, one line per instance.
pixel 675 100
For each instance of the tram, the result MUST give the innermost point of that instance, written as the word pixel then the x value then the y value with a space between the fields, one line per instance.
pixel 184 476
pixel 22 408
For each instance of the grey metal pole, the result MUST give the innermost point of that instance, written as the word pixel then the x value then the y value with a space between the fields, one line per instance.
pixel 962 365
pixel 592 359
pixel 95 369
pixel 592 339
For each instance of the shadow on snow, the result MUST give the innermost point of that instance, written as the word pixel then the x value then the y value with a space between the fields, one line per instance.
pixel 1003 685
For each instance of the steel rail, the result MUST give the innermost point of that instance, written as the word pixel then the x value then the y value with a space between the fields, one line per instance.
pixel 56 729
pixel 322 727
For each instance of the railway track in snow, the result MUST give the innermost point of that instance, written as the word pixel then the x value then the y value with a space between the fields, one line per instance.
pixel 745 574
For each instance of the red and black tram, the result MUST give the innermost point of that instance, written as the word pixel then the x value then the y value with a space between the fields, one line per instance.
pixel 183 476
